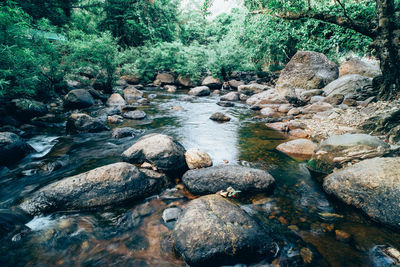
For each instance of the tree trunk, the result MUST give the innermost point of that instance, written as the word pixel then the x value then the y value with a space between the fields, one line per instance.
pixel 387 46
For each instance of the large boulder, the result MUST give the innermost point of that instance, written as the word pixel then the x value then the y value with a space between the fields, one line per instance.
pixel 351 85
pixel 307 70
pixel 165 78
pixel 200 91
pixel 162 151
pixel 196 159
pixel 372 185
pixel 339 150
pixel 235 83
pixel 12 148
pixel 270 96
pixel 26 109
pixel 83 123
pixel 132 95
pixel 232 96
pixel 115 100
pixel 362 67
pixel 211 82
pixel 299 148
pixel 78 98
pixel 108 185
pixel 212 231
pixel 253 88
pixel 184 81
pixel 213 179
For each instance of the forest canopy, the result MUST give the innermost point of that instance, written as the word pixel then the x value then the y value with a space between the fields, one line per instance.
pixel 46 43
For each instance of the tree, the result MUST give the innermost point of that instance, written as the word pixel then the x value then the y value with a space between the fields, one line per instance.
pixel 380 21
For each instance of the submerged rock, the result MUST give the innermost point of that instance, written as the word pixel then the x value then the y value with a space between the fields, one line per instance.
pixel 103 186
pixel 118 133
pixel 78 98
pixel 226 104
pixel 160 150
pixel 212 231
pixel 299 148
pixel 135 115
pixel 213 179
pixel 200 91
pixel 196 159
pixel 218 116
pixel 83 123
pixel 12 148
pixel 338 150
pixel 372 185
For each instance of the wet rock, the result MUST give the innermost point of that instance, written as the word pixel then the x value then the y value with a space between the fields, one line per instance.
pixel 235 84
pixel 213 179
pixel 251 89
pixel 243 97
pixel 339 150
pixel 196 159
pixel 115 119
pixel 362 67
pixel 200 91
pixel 135 115
pixel 83 123
pixel 170 88
pixel 335 99
pixel 128 108
pixel 226 104
pixel 299 148
pixel 78 98
pixel 211 82
pixel 278 126
pixel 97 95
pixel 270 96
pixel 212 231
pixel 160 150
pixel 371 185
pixel 132 94
pixel 26 109
pixel 115 100
pixel 269 112
pixel 12 148
pixel 123 132
pixel 165 78
pixel 232 96
pixel 218 116
pixel 307 70
pixel 317 107
pixel 187 98
pixel 108 185
pixel 143 101
pixel 184 81
pixel 342 236
pixel 348 85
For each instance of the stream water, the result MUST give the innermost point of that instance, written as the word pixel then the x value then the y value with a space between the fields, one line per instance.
pixel 299 214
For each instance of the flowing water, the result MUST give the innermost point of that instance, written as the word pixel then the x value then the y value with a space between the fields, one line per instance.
pixel 302 218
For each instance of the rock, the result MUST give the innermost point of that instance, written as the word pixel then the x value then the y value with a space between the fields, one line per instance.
pixel 235 84
pixel 339 150
pixel 371 185
pixel 185 81
pixel 362 67
pixel 307 94
pixel 267 97
pixel 196 159
pixel 135 115
pixel 128 108
pixel 213 179
pixel 96 95
pixel 336 99
pixel 350 102
pixel 348 85
pixel 170 88
pixel 251 89
pixel 83 123
pixel 307 70
pixel 294 112
pixel 115 119
pixel 299 133
pixel 299 148
pixel 123 132
pixel 212 231
pixel 108 185
pixel 187 98
pixel 132 95
pixel 26 109
pixel 78 98
pixel 165 78
pixel 131 79
pixel 269 112
pixel 171 214
pixel 342 236
pixel 284 108
pixel 317 98
pixel 293 125
pixel 143 101
pixel 211 82
pixel 12 148
pixel 115 100
pixel 199 91
pixel 218 116
pixel 243 97
pixel 317 107
pixel 232 96
pixel 160 150
pixel 216 92
pixel 177 108
pixel 278 126
pixel 225 104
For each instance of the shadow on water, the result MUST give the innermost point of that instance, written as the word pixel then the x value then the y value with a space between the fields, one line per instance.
pixel 299 214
